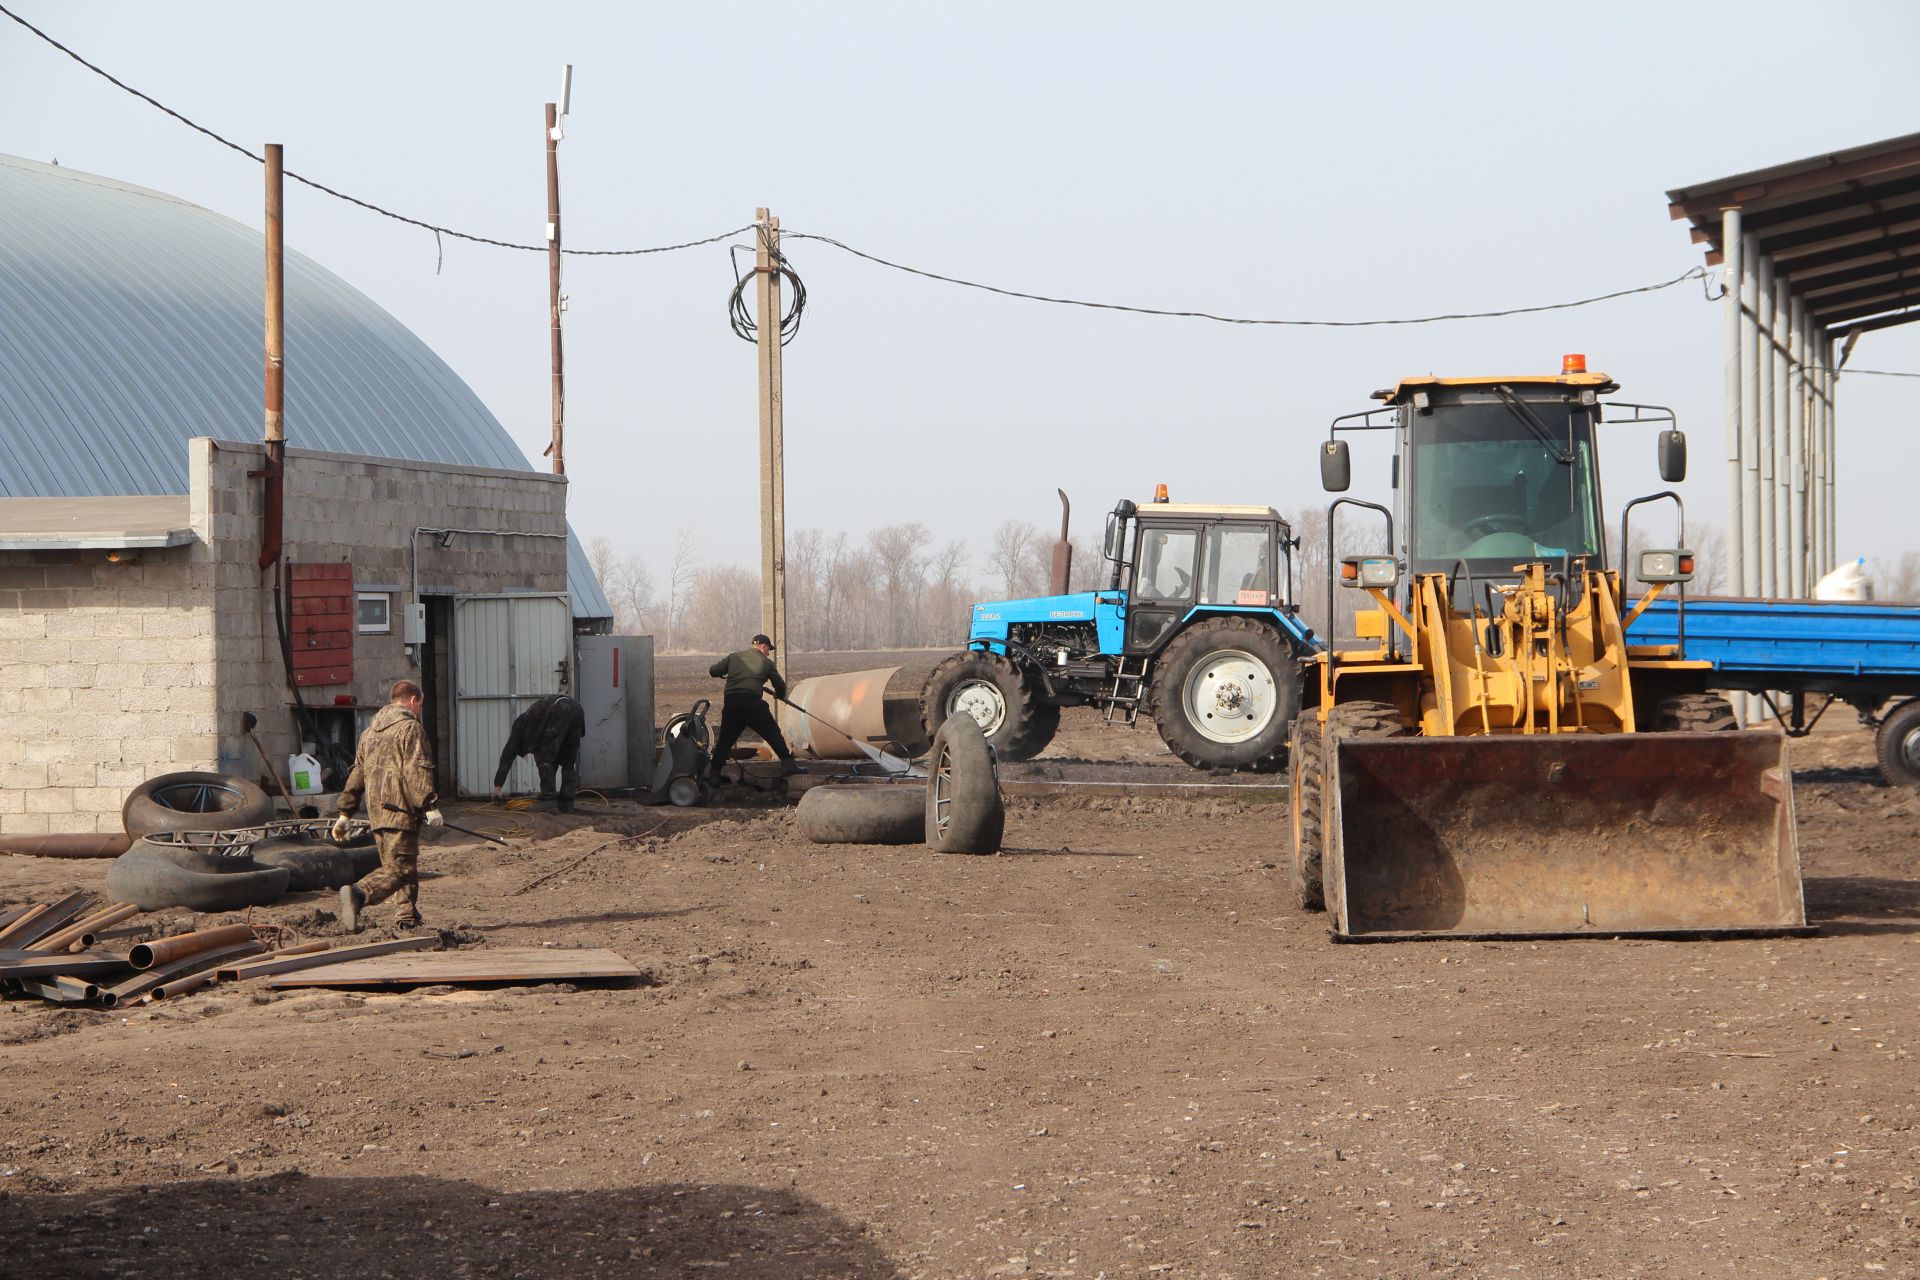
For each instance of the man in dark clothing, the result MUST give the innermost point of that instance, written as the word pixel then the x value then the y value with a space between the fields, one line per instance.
pixel 743 708
pixel 550 731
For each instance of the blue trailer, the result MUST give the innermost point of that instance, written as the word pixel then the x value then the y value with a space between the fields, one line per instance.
pixel 1860 652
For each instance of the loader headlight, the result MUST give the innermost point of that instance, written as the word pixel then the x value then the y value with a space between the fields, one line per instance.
pixel 1369 571
pixel 1666 566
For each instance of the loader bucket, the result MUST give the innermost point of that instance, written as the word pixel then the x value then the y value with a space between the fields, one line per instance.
pixel 1668 834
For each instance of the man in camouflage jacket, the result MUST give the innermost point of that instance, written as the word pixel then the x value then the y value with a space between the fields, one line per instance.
pixel 392 767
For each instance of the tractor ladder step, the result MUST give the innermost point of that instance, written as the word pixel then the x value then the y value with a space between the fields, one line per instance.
pixel 1123 700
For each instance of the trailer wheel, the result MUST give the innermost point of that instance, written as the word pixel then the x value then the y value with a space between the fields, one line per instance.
pixel 1224 694
pixel 1694 713
pixel 1306 797
pixel 963 812
pixel 1002 699
pixel 1898 745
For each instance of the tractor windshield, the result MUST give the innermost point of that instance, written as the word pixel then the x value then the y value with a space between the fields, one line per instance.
pixel 1488 489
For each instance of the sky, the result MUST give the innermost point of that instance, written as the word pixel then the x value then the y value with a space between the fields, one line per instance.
pixel 1275 160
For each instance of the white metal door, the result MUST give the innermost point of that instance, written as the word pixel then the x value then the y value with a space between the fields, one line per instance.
pixel 603 696
pixel 508 651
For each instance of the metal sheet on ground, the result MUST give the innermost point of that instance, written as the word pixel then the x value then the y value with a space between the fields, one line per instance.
pixel 491 964
pixel 1563 835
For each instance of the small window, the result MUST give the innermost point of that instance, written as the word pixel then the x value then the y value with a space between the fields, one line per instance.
pixel 373 612
pixel 1165 571
pixel 1237 570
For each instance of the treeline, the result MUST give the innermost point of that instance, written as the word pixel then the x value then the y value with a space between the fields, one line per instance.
pixel 900 588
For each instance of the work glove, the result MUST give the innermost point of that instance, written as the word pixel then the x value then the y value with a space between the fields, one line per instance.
pixel 433 818
pixel 342 826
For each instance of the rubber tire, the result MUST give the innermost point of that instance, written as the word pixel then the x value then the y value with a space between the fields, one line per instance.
pixel 1266 751
pixel 1694 713
pixel 1350 720
pixel 243 805
pixel 976 816
pixel 1306 798
pixel 1898 724
pixel 313 862
pixel 872 813
pixel 149 879
pixel 1029 724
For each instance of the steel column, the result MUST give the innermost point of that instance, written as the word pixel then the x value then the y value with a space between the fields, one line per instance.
pixel 1768 357
pixel 1750 545
pixel 1730 354
pixel 1785 546
pixel 1830 414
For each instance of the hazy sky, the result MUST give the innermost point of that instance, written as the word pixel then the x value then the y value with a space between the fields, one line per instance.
pixel 1281 160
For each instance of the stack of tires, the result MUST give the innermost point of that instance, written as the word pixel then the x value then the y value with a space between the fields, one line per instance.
pixel 202 841
pixel 957 810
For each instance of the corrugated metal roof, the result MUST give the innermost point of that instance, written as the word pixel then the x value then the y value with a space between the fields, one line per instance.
pixel 130 323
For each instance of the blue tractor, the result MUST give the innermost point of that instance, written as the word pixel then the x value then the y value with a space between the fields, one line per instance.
pixel 1196 628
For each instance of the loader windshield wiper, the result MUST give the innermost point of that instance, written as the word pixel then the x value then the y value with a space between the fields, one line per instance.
pixel 1518 408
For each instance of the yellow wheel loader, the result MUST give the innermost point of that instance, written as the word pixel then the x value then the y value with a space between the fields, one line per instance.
pixel 1487 756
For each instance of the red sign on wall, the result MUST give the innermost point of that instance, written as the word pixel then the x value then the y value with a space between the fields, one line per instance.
pixel 321 625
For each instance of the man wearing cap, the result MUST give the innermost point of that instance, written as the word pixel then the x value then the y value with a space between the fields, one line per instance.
pixel 743 707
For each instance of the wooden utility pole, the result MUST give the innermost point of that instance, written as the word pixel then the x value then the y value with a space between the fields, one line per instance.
pixel 773 477
pixel 557 448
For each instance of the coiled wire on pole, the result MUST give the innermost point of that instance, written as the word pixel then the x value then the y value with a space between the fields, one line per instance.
pixel 740 312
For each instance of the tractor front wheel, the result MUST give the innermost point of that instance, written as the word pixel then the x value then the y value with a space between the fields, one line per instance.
pixel 1001 698
pixel 1224 694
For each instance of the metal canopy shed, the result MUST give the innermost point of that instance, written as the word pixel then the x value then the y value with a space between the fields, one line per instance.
pixel 1817 252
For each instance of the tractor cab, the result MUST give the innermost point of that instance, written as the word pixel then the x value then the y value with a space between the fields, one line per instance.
pixel 1174 560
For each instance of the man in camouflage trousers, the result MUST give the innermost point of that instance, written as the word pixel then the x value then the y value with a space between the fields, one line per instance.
pixel 392 767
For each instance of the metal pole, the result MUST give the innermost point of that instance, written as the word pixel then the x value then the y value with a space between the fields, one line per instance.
pixel 1831 430
pixel 557 448
pixel 1797 420
pixel 1731 347
pixel 276 358
pixel 1763 317
pixel 773 481
pixel 1816 459
pixel 1749 421
pixel 1782 328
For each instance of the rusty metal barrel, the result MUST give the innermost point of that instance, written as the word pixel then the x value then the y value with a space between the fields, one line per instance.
pixel 854 702
pixel 1565 835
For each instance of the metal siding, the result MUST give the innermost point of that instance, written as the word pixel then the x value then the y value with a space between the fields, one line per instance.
pixel 132 324
pixel 603 752
pixel 507 651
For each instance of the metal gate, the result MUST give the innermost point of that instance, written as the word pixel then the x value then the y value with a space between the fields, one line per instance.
pixel 508 651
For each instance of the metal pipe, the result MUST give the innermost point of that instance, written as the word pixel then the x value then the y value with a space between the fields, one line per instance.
pixel 274 472
pixel 74 845
pixel 1832 431
pixel 1766 356
pixel 558 446
pixel 1797 451
pixel 1782 438
pixel 163 951
pixel 141 983
pixel 83 931
pixel 61 990
pixel 1730 242
pixel 1749 402
pixel 241 968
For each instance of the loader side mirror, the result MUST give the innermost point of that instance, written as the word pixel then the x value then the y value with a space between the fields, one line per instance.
pixel 1369 571
pixel 1666 566
pixel 1336 467
pixel 1673 456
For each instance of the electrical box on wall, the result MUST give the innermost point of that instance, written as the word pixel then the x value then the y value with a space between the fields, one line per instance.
pixel 416 623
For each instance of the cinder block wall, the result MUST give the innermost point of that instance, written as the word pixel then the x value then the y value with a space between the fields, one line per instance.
pixel 106 678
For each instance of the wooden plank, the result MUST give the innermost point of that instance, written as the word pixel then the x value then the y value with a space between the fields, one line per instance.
pixel 326 676
pixel 286 962
pixel 486 964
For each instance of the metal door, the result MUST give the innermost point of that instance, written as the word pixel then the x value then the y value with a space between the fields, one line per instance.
pixel 603 696
pixel 508 651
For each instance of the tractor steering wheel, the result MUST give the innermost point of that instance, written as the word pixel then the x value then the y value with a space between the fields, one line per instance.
pixel 1496 522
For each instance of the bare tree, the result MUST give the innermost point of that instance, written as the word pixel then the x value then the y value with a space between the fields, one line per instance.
pixel 897 552
pixel 722 608
pixel 949 597
pixel 629 587
pixel 1897 579
pixel 1010 557
pixel 681 573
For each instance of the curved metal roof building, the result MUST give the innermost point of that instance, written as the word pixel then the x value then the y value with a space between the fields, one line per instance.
pixel 130 323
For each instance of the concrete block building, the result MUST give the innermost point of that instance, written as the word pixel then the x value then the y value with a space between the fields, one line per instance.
pixel 137 625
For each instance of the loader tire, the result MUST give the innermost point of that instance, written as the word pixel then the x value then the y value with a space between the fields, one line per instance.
pixel 1694 713
pixel 1003 699
pixel 194 802
pixel 1349 720
pixel 1224 694
pixel 863 813
pixel 1897 743
pixel 1306 797
pixel 963 811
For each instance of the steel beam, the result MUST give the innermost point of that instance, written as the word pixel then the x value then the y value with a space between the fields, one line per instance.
pixel 1731 349
pixel 1752 432
pixel 1782 417
pixel 1798 418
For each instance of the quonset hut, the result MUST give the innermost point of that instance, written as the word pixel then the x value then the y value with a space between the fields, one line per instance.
pixel 137 625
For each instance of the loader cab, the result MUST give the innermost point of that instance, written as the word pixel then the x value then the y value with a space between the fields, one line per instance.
pixel 1175 558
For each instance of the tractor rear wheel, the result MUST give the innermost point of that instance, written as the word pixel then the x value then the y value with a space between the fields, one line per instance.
pixel 1694 713
pixel 1003 699
pixel 1224 693
pixel 1306 797
pixel 1898 745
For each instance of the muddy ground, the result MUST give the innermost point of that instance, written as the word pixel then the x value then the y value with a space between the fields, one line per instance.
pixel 1118 1049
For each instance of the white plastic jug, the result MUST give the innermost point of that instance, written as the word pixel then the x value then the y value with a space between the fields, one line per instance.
pixel 1848 582
pixel 304 771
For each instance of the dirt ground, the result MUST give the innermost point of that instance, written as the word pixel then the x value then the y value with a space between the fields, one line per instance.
pixel 1118 1049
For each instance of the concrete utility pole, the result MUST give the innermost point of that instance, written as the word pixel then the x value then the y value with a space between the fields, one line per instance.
pixel 275 435
pixel 773 474
pixel 557 447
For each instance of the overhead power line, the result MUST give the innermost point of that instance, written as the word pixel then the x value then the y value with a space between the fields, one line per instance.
pixel 1697 273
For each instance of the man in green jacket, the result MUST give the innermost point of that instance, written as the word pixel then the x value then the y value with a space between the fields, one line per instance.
pixel 394 769
pixel 743 708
